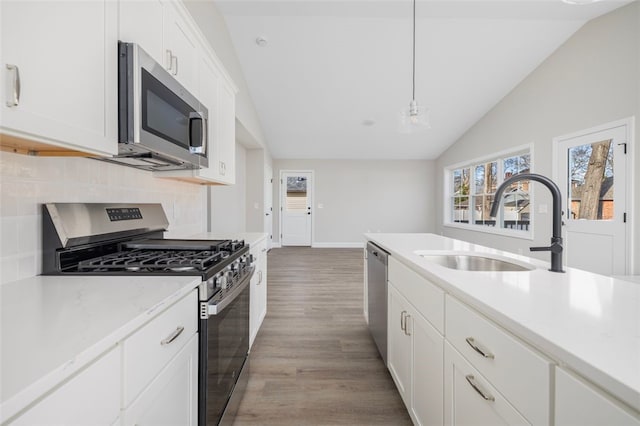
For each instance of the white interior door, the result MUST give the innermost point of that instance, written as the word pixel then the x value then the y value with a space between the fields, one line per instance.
pixel 296 193
pixel 268 204
pixel 592 175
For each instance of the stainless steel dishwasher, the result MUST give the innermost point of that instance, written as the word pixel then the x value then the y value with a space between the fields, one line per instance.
pixel 377 296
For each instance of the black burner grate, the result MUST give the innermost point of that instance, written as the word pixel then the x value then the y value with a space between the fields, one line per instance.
pixel 143 260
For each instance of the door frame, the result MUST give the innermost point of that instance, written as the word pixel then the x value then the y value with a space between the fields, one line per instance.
pixel 311 203
pixel 629 124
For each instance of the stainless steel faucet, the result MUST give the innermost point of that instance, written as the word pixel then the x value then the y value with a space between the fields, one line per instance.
pixel 556 239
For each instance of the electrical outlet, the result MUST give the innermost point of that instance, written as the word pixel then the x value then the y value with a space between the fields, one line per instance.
pixel 320 206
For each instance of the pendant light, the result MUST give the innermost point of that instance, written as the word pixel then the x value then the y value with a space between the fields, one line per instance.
pixel 415 117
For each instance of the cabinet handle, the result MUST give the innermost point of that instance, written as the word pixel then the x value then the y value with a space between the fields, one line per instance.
pixel 403 324
pixel 479 348
pixel 259 277
pixel 169 60
pixel 173 336
pixel 175 69
pixel 483 393
pixel 406 329
pixel 15 84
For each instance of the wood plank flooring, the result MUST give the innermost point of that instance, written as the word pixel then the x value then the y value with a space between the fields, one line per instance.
pixel 313 361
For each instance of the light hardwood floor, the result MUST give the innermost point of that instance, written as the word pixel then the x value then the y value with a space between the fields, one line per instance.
pixel 313 361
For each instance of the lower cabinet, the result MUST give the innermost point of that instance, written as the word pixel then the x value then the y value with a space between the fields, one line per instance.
pixel 577 403
pixel 172 396
pixel 258 301
pixel 79 401
pixel 415 360
pixel 148 378
pixel 470 399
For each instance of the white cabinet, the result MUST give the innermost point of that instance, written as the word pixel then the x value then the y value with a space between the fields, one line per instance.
pixel 577 403
pixel 171 398
pixel 79 401
pixel 470 399
pixel 398 344
pixel 59 75
pixel 258 301
pixel 163 29
pixel 147 351
pixel 166 31
pixel 415 360
pixel 180 47
pixel 141 22
pixel 227 133
pixel 521 374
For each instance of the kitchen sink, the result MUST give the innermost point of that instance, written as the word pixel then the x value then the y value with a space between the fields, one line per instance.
pixel 467 262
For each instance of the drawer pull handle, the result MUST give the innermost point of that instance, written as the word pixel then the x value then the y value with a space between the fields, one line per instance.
pixel 173 336
pixel 479 348
pixel 403 324
pixel 15 85
pixel 406 329
pixel 484 394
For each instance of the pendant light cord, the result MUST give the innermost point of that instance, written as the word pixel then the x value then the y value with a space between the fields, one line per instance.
pixel 413 93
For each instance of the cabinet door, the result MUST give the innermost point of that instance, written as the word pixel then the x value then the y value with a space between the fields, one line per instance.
pixel 141 22
pixel 427 372
pixel 67 82
pixel 579 404
pixel 398 344
pixel 465 404
pixel 79 401
pixel 227 133
pixel 180 44
pixel 208 88
pixel 172 397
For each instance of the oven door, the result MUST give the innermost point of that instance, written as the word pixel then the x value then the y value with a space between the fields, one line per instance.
pixel 224 346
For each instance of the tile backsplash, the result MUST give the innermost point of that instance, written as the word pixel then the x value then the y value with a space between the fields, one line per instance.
pixel 27 182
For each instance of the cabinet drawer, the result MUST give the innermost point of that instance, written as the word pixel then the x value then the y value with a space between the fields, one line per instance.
pixel 522 375
pixel 149 349
pixel 470 399
pixel 425 296
pixel 259 249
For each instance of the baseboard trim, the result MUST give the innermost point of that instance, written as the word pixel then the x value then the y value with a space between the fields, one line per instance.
pixel 337 245
pixel 276 245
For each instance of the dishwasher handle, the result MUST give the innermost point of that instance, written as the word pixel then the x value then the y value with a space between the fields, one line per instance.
pixel 376 251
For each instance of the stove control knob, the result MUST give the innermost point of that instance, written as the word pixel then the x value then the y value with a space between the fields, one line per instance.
pixel 222 281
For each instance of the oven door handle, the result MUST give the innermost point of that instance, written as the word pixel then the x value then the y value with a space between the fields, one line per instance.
pixel 214 309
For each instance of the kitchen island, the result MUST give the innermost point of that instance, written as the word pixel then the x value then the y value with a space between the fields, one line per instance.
pixel 586 323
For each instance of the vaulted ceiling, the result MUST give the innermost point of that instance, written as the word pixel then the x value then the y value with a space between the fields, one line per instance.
pixel 333 75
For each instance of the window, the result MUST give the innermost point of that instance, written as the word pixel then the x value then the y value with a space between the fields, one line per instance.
pixel 471 191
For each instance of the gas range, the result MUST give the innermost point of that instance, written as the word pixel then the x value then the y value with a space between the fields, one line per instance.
pixel 126 239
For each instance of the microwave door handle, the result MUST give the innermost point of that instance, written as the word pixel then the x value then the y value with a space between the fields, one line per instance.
pixel 197 140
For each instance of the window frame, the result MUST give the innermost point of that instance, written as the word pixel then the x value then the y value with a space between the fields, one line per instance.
pixel 498 157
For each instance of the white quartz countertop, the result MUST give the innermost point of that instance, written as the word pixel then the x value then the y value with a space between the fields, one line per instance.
pixel 251 238
pixel 54 325
pixel 587 322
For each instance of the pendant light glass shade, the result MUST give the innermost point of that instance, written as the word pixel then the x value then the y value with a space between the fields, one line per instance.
pixel 414 118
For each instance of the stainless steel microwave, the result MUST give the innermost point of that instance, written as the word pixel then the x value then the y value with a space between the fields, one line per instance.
pixel 161 126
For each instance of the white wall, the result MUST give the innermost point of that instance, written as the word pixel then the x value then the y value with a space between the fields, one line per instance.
pixel 26 182
pixel 364 195
pixel 592 79
pixel 228 205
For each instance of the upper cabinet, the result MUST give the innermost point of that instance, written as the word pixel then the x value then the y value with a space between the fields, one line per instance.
pixel 59 76
pixel 164 30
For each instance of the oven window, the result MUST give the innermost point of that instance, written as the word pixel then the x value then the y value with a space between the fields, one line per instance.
pixel 164 114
